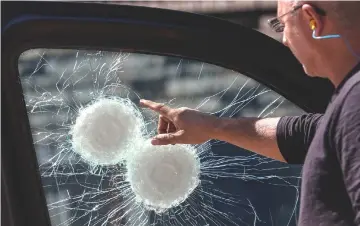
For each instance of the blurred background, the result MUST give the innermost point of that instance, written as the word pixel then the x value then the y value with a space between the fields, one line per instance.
pixel 57 82
pixel 252 14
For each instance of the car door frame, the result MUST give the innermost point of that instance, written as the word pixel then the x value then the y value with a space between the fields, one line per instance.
pixel 27 25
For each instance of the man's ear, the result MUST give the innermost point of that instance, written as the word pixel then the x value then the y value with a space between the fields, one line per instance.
pixel 313 19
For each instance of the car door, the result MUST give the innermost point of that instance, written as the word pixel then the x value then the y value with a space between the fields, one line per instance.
pixel 57 57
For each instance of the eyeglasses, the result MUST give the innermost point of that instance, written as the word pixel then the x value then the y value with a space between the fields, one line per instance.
pixel 277 26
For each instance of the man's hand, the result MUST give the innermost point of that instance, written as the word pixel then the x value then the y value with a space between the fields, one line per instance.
pixel 181 125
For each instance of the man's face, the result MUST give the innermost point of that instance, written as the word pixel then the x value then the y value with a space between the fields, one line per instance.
pixel 297 37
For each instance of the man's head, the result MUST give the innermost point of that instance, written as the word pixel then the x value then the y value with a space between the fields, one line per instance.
pixel 325 57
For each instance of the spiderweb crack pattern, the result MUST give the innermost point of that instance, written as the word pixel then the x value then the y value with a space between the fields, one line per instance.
pixel 107 189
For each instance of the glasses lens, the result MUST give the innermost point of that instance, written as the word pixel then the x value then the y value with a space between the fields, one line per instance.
pixel 276 25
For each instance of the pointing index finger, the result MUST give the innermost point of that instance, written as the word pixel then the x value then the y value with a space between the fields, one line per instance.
pixel 158 107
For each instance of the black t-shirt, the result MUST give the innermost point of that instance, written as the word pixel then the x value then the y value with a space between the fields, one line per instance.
pixel 329 147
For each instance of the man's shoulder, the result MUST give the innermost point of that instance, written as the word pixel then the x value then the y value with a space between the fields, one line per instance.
pixel 345 107
pixel 352 84
pixel 341 122
pixel 349 92
pixel 350 103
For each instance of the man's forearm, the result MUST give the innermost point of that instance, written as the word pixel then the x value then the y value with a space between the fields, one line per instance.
pixel 254 134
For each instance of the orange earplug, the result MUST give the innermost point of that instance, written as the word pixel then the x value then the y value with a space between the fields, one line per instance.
pixel 312 24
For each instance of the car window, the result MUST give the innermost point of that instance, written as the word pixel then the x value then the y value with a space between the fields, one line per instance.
pixel 90 137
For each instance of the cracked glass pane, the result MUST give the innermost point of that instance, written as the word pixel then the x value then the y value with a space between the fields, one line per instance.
pixel 90 136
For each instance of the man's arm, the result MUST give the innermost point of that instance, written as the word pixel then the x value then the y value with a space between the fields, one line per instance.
pixel 254 134
pixel 283 139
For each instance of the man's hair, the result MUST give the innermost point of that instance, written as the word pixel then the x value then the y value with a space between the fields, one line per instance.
pixel 344 13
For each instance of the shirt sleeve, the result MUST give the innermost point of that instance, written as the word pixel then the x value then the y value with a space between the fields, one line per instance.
pixel 294 135
pixel 347 146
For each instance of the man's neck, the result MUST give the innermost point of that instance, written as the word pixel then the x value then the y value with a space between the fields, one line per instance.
pixel 343 60
pixel 340 71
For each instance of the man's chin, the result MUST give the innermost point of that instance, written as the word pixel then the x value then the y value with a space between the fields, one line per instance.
pixel 308 72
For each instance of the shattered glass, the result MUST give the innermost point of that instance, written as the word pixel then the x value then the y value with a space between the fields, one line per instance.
pixel 237 187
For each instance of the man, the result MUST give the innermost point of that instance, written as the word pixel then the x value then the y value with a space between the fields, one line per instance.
pixel 328 145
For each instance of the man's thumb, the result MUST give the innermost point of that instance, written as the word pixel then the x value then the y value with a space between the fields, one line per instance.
pixel 166 138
